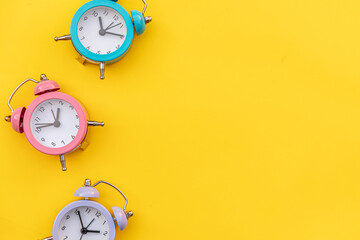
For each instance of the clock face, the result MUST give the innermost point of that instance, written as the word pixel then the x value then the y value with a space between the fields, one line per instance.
pixel 101 30
pixel 86 223
pixel 54 123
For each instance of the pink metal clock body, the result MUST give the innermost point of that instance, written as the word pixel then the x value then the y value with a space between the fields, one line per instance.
pixel 83 126
pixel 22 119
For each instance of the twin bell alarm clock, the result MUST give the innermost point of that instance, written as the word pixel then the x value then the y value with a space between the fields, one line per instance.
pixel 88 220
pixel 102 31
pixel 54 123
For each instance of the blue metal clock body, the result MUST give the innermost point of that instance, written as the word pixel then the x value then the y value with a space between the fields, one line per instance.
pixel 134 23
pixel 111 57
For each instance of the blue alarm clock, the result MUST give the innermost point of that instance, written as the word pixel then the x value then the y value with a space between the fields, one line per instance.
pixel 102 31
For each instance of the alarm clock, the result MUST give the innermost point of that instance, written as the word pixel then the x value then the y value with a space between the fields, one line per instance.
pixel 102 31
pixel 54 123
pixel 88 220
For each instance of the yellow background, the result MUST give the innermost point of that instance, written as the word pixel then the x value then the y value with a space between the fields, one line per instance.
pixel 226 120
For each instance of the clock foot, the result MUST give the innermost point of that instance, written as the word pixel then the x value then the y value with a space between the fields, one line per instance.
pixel 48 238
pixel 65 37
pixel 102 70
pixel 84 145
pixel 62 161
pixel 81 59
pixel 95 124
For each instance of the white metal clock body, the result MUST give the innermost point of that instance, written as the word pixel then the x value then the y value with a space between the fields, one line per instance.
pixel 89 220
pixel 84 219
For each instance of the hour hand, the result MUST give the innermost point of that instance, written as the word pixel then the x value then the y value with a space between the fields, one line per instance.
pixel 101 24
pixel 93 231
pixel 82 225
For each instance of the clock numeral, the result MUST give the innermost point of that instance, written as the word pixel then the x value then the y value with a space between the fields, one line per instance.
pixel 63 142
pixel 54 144
pixel 66 237
pixel 72 136
pixel 95 14
pixel 105 13
pixel 118 46
pixel 98 52
pixel 85 18
pixel 77 116
pixel 81 28
pixel 76 211
pixel 121 25
pixel 106 232
pixel 108 52
pixel 41 109
pixel 82 38
pixel 104 222
pixel 61 102
pixel 77 126
pixel 37 119
pixel 88 47
pixel 98 214
pixel 88 210
pixel 38 130
pixel 67 217
pixel 71 107
pixel 116 17
pixel 63 228
pixel 50 103
pixel 43 139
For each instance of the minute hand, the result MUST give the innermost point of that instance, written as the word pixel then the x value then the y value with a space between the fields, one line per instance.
pixel 120 35
pixel 46 125
pixel 110 26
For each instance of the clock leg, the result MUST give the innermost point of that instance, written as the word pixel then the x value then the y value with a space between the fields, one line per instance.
pixel 81 59
pixel 62 161
pixel 102 70
pixel 48 238
pixel 94 123
pixel 65 37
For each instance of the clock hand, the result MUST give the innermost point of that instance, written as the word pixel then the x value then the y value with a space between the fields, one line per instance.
pixel 47 125
pixel 81 236
pixel 57 115
pixel 109 27
pixel 101 25
pixel 43 123
pixel 121 36
pixel 93 231
pixel 53 114
pixel 90 223
pixel 82 225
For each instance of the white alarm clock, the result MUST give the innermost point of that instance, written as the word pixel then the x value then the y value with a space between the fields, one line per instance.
pixel 89 220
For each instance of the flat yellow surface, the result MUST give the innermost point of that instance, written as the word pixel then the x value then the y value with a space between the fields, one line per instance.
pixel 226 120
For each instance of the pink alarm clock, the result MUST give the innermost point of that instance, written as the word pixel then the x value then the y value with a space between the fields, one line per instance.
pixel 54 123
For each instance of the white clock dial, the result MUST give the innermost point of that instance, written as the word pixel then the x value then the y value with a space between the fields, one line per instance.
pixel 86 223
pixel 102 30
pixel 54 123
